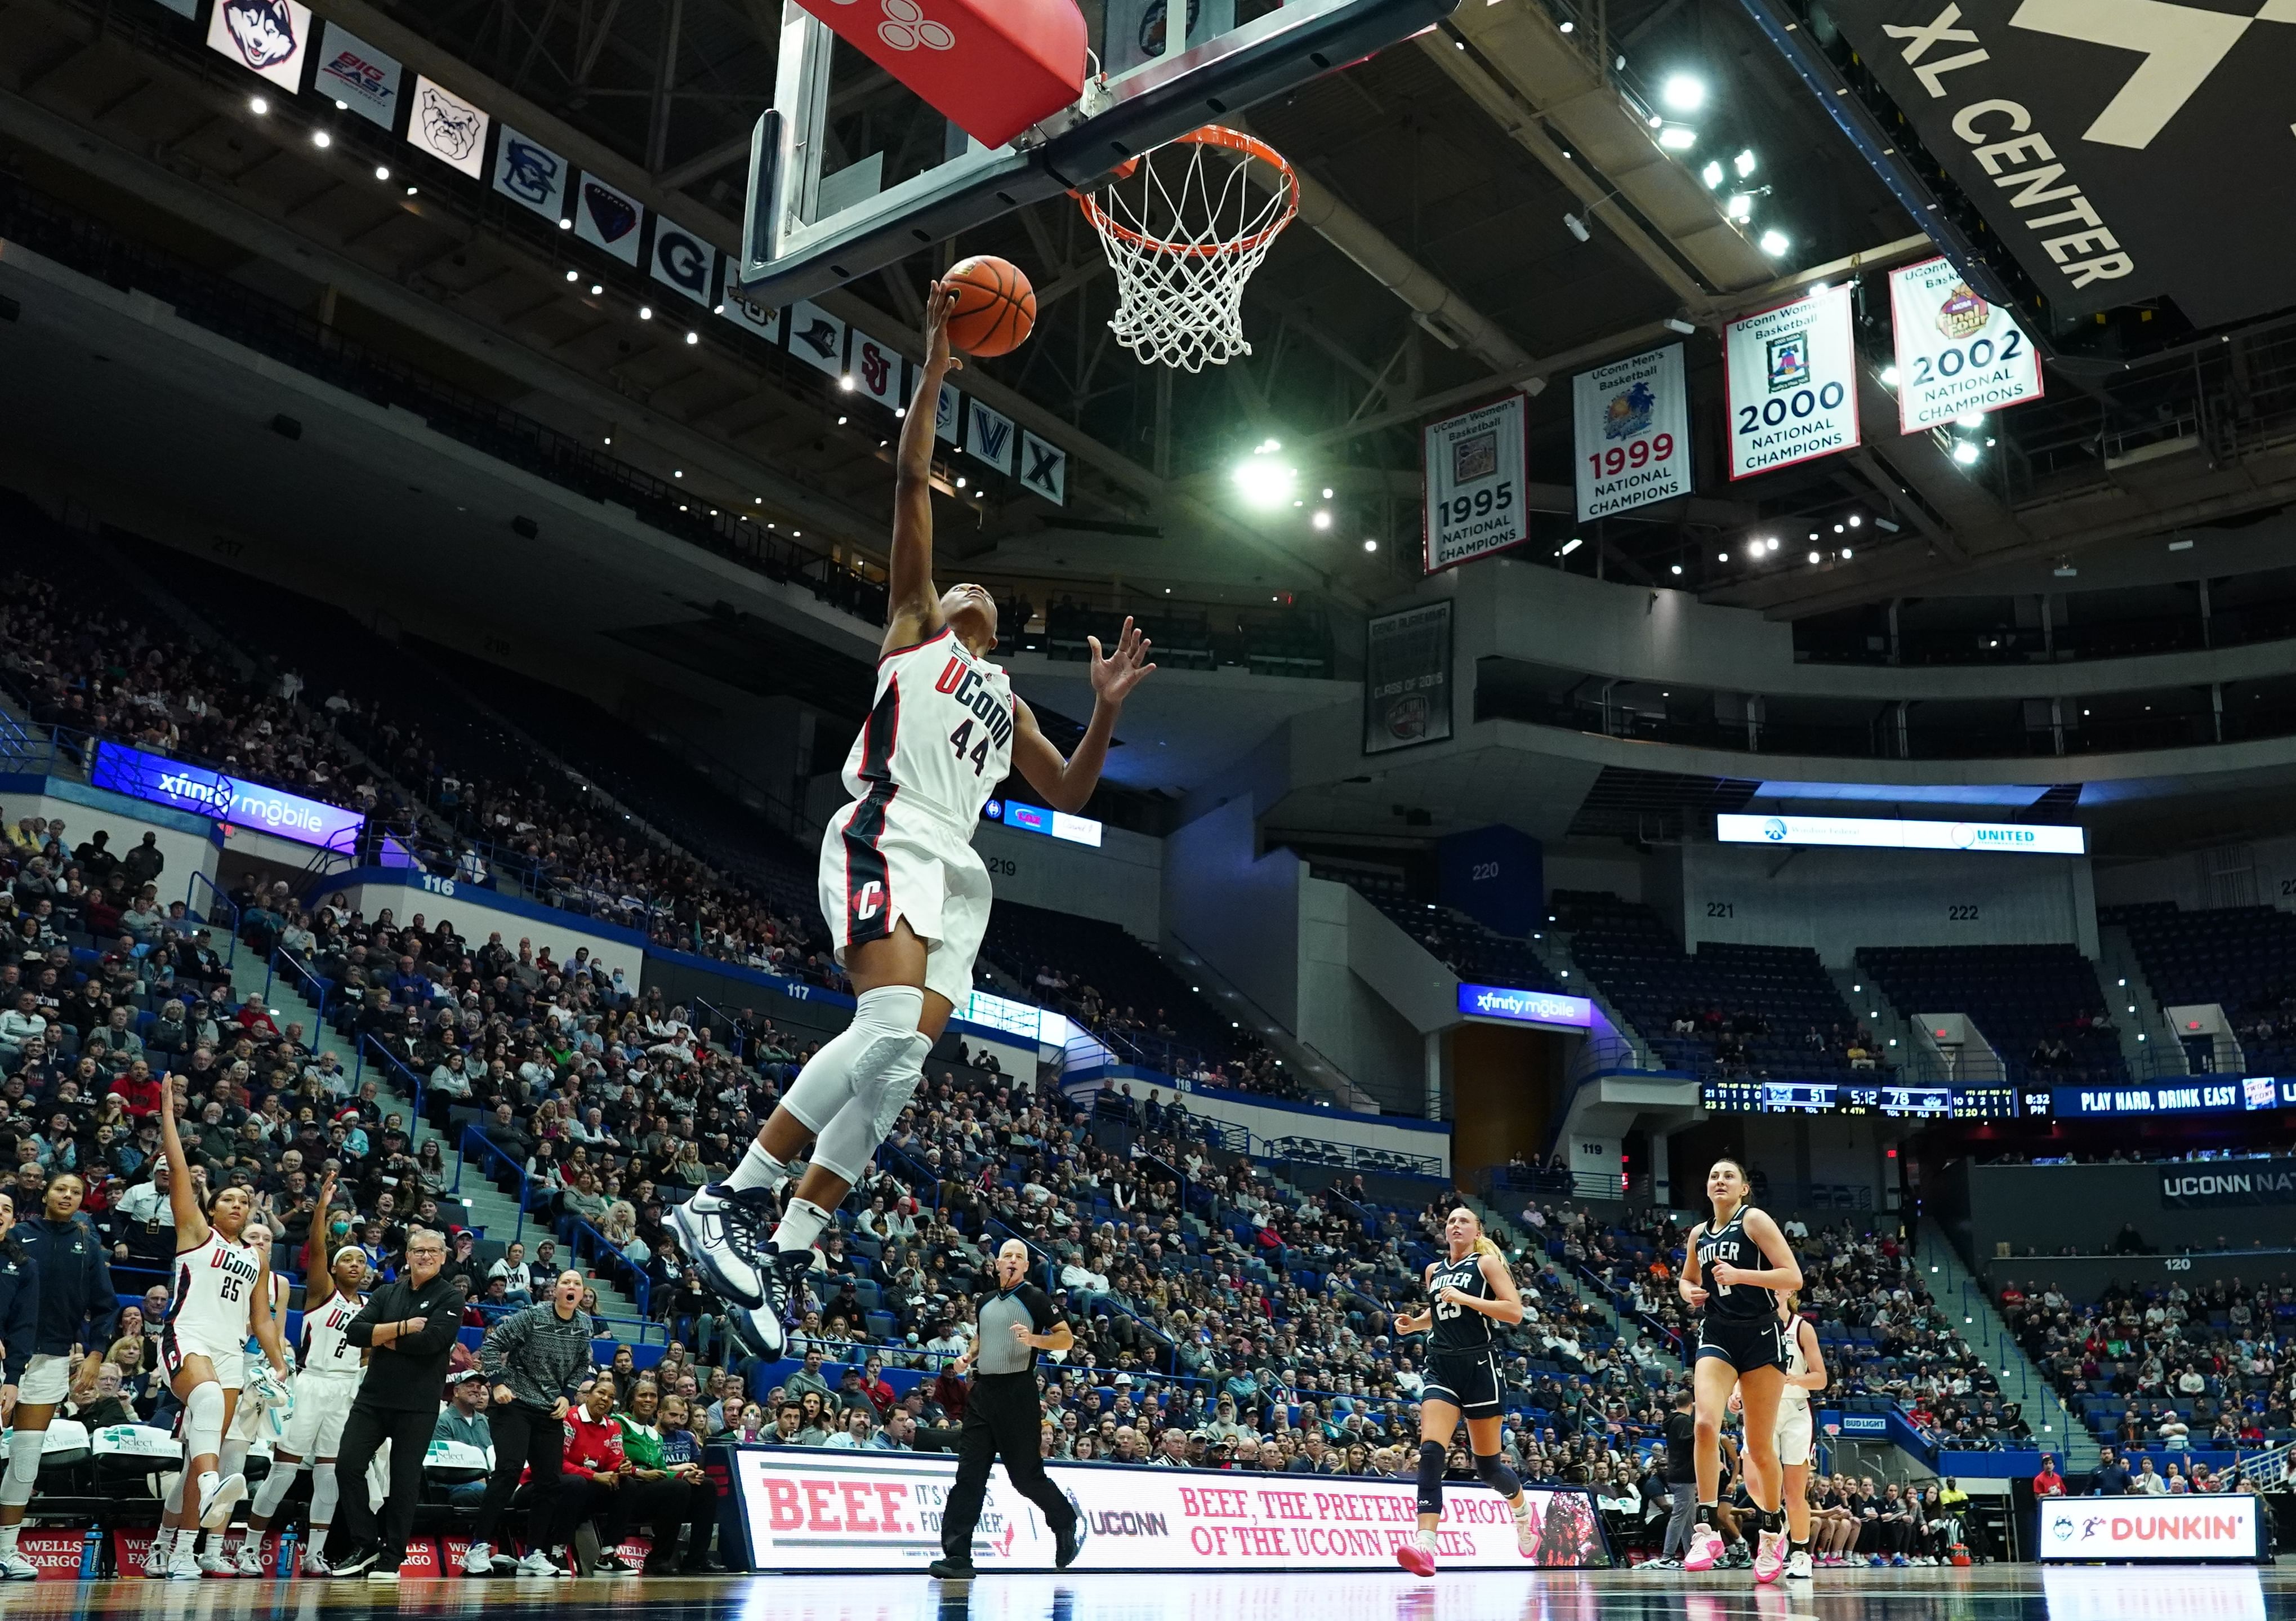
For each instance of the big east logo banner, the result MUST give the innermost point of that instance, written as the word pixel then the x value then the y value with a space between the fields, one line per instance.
pixel 2123 151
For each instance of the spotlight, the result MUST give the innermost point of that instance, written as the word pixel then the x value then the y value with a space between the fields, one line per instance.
pixel 565 224
pixel 1677 568
pixel 1740 206
pixel 1965 453
pixel 1776 242
pixel 1327 492
pixel 342 106
pixel 1845 553
pixel 414 191
pixel 573 275
pixel 1677 137
pixel 1754 548
pixel 1889 376
pixel 1745 164
pixel 694 337
pixel 1772 543
pixel 1721 557
pixel 1568 27
pixel 1571 545
pixel 381 171
pixel 1970 419
pixel 257 105
pixel 1814 557
pixel 1857 520
pixel 1370 546
pixel 645 312
pixel 846 383
pixel 677 472
pixel 1322 520
pixel 321 139
pixel 1261 480
pixel 841 422
pixel 597 288
pixel 1683 93
pixel 960 480
pixel 1711 174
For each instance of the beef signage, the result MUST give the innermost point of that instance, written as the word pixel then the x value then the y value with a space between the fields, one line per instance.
pixel 2121 151
pixel 805 1509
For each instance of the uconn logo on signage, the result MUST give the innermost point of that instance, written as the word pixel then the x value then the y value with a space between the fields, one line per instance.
pixel 963 683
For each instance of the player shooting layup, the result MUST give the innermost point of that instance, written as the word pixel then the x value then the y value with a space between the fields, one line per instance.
pixel 905 896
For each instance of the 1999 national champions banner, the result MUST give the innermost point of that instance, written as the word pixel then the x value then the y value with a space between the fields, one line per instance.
pixel 811 1509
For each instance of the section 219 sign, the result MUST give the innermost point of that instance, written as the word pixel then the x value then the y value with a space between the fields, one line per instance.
pixel 1794 383
pixel 1631 426
pixel 1474 475
pixel 1957 355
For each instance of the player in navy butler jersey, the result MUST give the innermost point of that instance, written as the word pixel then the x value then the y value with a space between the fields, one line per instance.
pixel 1734 1269
pixel 1468 1290
pixel 905 897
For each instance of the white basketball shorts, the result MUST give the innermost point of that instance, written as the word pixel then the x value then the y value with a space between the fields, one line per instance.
pixel 1795 1431
pixel 883 860
pixel 323 1401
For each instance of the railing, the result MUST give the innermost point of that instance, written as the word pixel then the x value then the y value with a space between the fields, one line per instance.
pixel 307 984
pixel 475 1140
pixel 403 1077
pixel 1351 1156
pixel 222 900
pixel 604 1250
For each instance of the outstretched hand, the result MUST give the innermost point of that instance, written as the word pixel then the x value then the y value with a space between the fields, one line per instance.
pixel 1114 675
pixel 940 303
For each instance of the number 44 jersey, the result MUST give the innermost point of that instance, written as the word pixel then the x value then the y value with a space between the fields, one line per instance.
pixel 938 741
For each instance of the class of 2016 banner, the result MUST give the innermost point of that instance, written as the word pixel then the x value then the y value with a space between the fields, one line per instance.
pixel 1792 377
pixel 1473 466
pixel 1407 678
pixel 1631 426
pixel 1957 354
pixel 808 1510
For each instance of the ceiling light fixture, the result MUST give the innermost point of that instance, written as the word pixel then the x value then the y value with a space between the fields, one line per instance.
pixel 1711 174
pixel 1683 93
pixel 321 139
pixel 257 105
pixel 1776 242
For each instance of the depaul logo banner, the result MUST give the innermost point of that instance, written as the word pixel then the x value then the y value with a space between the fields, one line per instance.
pixel 158 780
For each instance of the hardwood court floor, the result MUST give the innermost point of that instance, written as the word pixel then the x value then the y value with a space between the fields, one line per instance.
pixel 1997 1593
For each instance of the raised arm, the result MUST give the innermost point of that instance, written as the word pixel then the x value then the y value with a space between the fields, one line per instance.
pixel 913 610
pixel 183 1200
pixel 1068 784
pixel 269 1317
pixel 318 1271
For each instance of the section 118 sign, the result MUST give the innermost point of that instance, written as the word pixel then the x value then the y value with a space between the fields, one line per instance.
pixel 1793 373
pixel 1474 472
pixel 1632 429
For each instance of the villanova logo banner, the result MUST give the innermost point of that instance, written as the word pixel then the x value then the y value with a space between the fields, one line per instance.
pixel 991 437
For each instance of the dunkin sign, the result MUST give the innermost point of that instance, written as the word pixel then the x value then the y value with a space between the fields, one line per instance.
pixel 2170 1529
pixel 806 1510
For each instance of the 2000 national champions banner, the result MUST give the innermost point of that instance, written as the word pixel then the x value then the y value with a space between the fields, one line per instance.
pixel 809 1510
pixel 1793 373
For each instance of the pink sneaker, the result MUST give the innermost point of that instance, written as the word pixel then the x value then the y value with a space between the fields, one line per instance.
pixel 1705 1548
pixel 1771 1559
pixel 1418 1561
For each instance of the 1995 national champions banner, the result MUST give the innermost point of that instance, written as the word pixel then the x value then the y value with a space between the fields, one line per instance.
pixel 810 1509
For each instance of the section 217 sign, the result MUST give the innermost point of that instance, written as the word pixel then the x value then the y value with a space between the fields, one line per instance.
pixel 1793 373
pixel 1474 477
pixel 1631 426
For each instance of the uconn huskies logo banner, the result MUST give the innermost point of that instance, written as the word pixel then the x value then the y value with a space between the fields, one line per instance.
pixel 265 37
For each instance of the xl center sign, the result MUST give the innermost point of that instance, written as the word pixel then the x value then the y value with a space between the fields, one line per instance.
pixel 808 1510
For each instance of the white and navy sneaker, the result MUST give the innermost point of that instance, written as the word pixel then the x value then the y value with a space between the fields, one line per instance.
pixel 758 1330
pixel 15 1567
pixel 218 1498
pixel 727 1232
pixel 156 1555
pixel 479 1559
pixel 250 1560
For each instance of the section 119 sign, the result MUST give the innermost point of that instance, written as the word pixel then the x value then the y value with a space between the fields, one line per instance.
pixel 1793 373
pixel 1474 474
pixel 1631 425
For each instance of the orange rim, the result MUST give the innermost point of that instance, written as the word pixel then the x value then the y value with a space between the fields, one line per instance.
pixel 1210 135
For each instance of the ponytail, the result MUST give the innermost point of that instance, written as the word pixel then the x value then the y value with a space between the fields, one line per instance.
pixel 1486 1245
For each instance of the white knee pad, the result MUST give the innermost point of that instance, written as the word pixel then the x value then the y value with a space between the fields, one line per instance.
pixel 884 1023
pixel 852 1135
pixel 325 1489
pixel 23 1466
pixel 232 1458
pixel 272 1491
pixel 203 1421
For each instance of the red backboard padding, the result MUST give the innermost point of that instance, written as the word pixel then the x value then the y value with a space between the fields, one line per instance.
pixel 992 67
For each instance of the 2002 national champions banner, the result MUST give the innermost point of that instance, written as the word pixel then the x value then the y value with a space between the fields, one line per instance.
pixel 1957 354
pixel 808 1510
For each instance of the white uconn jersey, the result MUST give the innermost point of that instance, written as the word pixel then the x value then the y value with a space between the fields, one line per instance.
pixel 215 1292
pixel 939 735
pixel 325 1349
pixel 1790 1336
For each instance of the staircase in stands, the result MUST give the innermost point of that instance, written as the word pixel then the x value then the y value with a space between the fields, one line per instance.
pixel 1959 1292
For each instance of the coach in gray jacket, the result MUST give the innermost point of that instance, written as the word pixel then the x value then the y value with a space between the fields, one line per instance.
pixel 532 1357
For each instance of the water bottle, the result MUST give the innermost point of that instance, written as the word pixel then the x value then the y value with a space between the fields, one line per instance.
pixel 91 1554
pixel 286 1566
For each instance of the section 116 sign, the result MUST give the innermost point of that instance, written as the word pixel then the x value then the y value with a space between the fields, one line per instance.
pixel 1474 474
pixel 1631 425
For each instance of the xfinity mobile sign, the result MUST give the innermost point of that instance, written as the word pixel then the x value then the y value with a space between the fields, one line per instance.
pixel 161 781
pixel 1525 1006
pixel 1889 832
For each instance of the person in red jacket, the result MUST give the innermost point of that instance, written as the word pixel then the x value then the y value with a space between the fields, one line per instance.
pixel 590 1482
pixel 137 1091
pixel 2048 1482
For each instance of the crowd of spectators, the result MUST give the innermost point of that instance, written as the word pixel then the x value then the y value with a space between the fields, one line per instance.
pixel 2173 1366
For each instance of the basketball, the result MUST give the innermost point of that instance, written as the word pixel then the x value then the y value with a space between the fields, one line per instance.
pixel 996 307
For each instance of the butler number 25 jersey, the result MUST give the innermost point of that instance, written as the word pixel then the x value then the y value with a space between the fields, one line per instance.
pixel 1459 1328
pixel 939 735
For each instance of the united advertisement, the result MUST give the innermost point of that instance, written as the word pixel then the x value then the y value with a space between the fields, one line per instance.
pixel 808 1510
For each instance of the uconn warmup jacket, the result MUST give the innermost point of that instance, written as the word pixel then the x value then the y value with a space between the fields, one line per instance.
pixel 20 1308
pixel 77 1304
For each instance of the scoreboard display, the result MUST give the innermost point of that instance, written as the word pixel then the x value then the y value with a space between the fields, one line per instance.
pixel 1881 1098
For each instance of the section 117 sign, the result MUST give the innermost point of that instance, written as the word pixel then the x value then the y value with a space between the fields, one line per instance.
pixel 1793 373
pixel 1474 472
pixel 1631 426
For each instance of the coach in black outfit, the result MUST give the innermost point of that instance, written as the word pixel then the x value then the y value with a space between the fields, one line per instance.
pixel 1002 1418
pixel 408 1325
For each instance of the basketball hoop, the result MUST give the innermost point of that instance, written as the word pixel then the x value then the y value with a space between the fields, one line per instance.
pixel 1182 245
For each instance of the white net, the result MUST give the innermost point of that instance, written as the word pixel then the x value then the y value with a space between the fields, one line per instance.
pixel 1184 228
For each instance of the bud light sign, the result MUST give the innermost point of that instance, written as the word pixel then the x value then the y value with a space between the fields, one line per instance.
pixel 161 781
